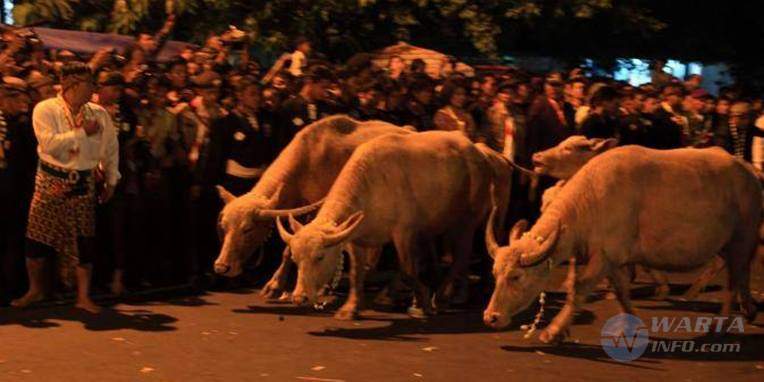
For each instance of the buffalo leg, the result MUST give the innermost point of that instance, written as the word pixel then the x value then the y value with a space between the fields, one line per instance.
pixel 738 261
pixel 578 288
pixel 709 272
pixel 358 263
pixel 461 248
pixel 394 293
pixel 409 247
pixel 662 290
pixel 620 279
pixel 278 281
pixel 372 258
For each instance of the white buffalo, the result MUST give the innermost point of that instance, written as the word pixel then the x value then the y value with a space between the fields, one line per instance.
pixel 668 210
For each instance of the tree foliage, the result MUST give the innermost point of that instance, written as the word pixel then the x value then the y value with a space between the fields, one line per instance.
pixel 343 27
pixel 568 29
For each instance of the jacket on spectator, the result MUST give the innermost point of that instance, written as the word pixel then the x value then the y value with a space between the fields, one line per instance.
pixel 297 113
pixel 665 132
pixel 545 126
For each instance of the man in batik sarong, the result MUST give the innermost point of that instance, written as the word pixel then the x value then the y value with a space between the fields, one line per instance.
pixel 77 146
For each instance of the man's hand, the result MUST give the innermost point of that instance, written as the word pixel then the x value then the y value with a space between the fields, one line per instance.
pixel 91 127
pixel 99 58
pixel 106 194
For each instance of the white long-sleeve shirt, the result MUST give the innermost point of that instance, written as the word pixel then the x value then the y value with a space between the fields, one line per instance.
pixel 298 63
pixel 60 144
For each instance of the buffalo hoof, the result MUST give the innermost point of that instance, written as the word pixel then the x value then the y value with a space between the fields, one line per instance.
pixel 383 298
pixel 285 296
pixel 440 303
pixel 551 339
pixel 346 314
pixel 272 290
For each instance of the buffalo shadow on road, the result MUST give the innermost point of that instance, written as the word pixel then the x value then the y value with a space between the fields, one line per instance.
pixel 593 353
pixel 750 350
pixel 713 307
pixel 410 329
pixel 283 309
pixel 454 321
pixel 401 327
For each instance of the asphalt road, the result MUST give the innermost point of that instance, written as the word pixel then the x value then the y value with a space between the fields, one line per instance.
pixel 238 336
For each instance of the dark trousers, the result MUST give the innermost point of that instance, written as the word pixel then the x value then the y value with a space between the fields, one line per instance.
pixel 206 244
pixel 167 231
pixel 12 227
pixel 12 275
pixel 122 239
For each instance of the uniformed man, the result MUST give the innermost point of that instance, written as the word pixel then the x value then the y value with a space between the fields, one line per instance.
pixel 204 109
pixel 309 105
pixel 668 122
pixel 117 215
pixel 242 144
pixel 417 109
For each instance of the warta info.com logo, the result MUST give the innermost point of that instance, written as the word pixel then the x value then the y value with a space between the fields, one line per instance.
pixel 625 337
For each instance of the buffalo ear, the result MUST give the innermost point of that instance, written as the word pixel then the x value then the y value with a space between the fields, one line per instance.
pixel 599 145
pixel 285 235
pixel 344 229
pixel 295 225
pixel 225 196
pixel 274 199
pixel 518 230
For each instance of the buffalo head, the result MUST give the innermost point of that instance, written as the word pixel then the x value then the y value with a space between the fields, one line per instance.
pixel 520 269
pixel 316 249
pixel 565 159
pixel 244 224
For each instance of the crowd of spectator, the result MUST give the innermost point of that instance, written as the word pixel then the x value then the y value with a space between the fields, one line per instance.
pixel 213 116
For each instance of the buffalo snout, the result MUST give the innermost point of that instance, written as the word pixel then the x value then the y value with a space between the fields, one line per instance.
pixel 538 160
pixel 495 320
pixel 221 268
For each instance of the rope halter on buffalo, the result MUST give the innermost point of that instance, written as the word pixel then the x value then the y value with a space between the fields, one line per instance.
pixel 329 290
pixel 569 282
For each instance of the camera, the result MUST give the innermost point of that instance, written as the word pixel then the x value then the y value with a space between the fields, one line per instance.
pixel 117 58
pixel 31 40
pixel 233 38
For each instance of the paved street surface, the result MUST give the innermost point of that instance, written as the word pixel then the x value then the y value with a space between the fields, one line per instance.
pixel 237 336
